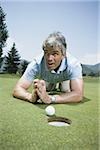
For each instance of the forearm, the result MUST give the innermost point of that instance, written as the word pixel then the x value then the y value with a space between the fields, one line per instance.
pixel 68 97
pixel 22 94
pixel 74 96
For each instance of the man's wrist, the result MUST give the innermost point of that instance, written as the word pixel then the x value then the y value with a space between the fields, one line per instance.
pixel 53 98
pixel 29 97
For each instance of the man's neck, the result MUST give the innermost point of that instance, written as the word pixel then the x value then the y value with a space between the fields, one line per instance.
pixel 57 67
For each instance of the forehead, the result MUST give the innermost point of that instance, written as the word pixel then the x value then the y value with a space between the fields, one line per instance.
pixel 52 49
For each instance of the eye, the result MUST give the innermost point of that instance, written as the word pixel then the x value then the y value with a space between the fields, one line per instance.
pixel 55 53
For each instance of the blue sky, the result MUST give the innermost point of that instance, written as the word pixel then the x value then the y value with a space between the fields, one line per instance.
pixel 30 22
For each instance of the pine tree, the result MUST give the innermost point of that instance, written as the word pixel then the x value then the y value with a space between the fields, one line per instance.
pixel 12 60
pixel 3 33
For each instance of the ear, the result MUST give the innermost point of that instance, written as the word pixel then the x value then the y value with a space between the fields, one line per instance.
pixel 63 56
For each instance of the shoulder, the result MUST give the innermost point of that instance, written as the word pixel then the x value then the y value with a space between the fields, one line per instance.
pixel 33 69
pixel 36 61
pixel 74 67
pixel 72 61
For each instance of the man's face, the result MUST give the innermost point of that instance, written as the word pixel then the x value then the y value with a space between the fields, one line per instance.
pixel 53 58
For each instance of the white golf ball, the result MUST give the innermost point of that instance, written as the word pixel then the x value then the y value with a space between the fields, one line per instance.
pixel 50 110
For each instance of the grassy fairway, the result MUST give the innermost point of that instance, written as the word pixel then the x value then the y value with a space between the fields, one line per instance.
pixel 23 126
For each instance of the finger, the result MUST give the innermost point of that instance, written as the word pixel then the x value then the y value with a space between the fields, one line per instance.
pixel 34 96
pixel 42 82
pixel 39 93
pixel 36 81
pixel 35 85
pixel 39 86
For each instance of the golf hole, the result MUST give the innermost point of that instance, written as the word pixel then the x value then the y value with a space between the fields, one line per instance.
pixel 59 121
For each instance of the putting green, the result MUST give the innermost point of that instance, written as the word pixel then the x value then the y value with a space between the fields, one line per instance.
pixel 24 126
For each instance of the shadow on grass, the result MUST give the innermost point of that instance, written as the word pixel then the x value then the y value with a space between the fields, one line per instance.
pixel 43 106
pixel 85 99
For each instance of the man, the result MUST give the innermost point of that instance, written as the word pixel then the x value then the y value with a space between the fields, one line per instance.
pixel 55 70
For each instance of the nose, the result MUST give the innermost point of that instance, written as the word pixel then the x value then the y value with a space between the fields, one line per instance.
pixel 50 57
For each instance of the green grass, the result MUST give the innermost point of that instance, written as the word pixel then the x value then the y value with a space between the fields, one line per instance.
pixel 23 126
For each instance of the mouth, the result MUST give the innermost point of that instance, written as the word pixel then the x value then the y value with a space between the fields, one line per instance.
pixel 51 66
pixel 50 63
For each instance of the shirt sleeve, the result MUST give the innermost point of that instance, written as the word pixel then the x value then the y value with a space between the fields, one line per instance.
pixel 76 71
pixel 31 71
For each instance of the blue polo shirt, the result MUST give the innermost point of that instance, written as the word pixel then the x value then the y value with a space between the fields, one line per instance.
pixel 69 69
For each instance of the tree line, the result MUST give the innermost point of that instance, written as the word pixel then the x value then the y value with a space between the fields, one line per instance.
pixel 10 63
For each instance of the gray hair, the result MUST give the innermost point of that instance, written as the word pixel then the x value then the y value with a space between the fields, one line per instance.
pixel 54 40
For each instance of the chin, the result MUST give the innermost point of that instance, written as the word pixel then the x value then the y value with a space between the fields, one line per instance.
pixel 51 68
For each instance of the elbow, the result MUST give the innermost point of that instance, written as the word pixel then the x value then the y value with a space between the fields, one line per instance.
pixel 14 93
pixel 79 97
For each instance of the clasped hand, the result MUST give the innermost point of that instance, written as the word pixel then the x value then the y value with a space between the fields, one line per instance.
pixel 40 91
